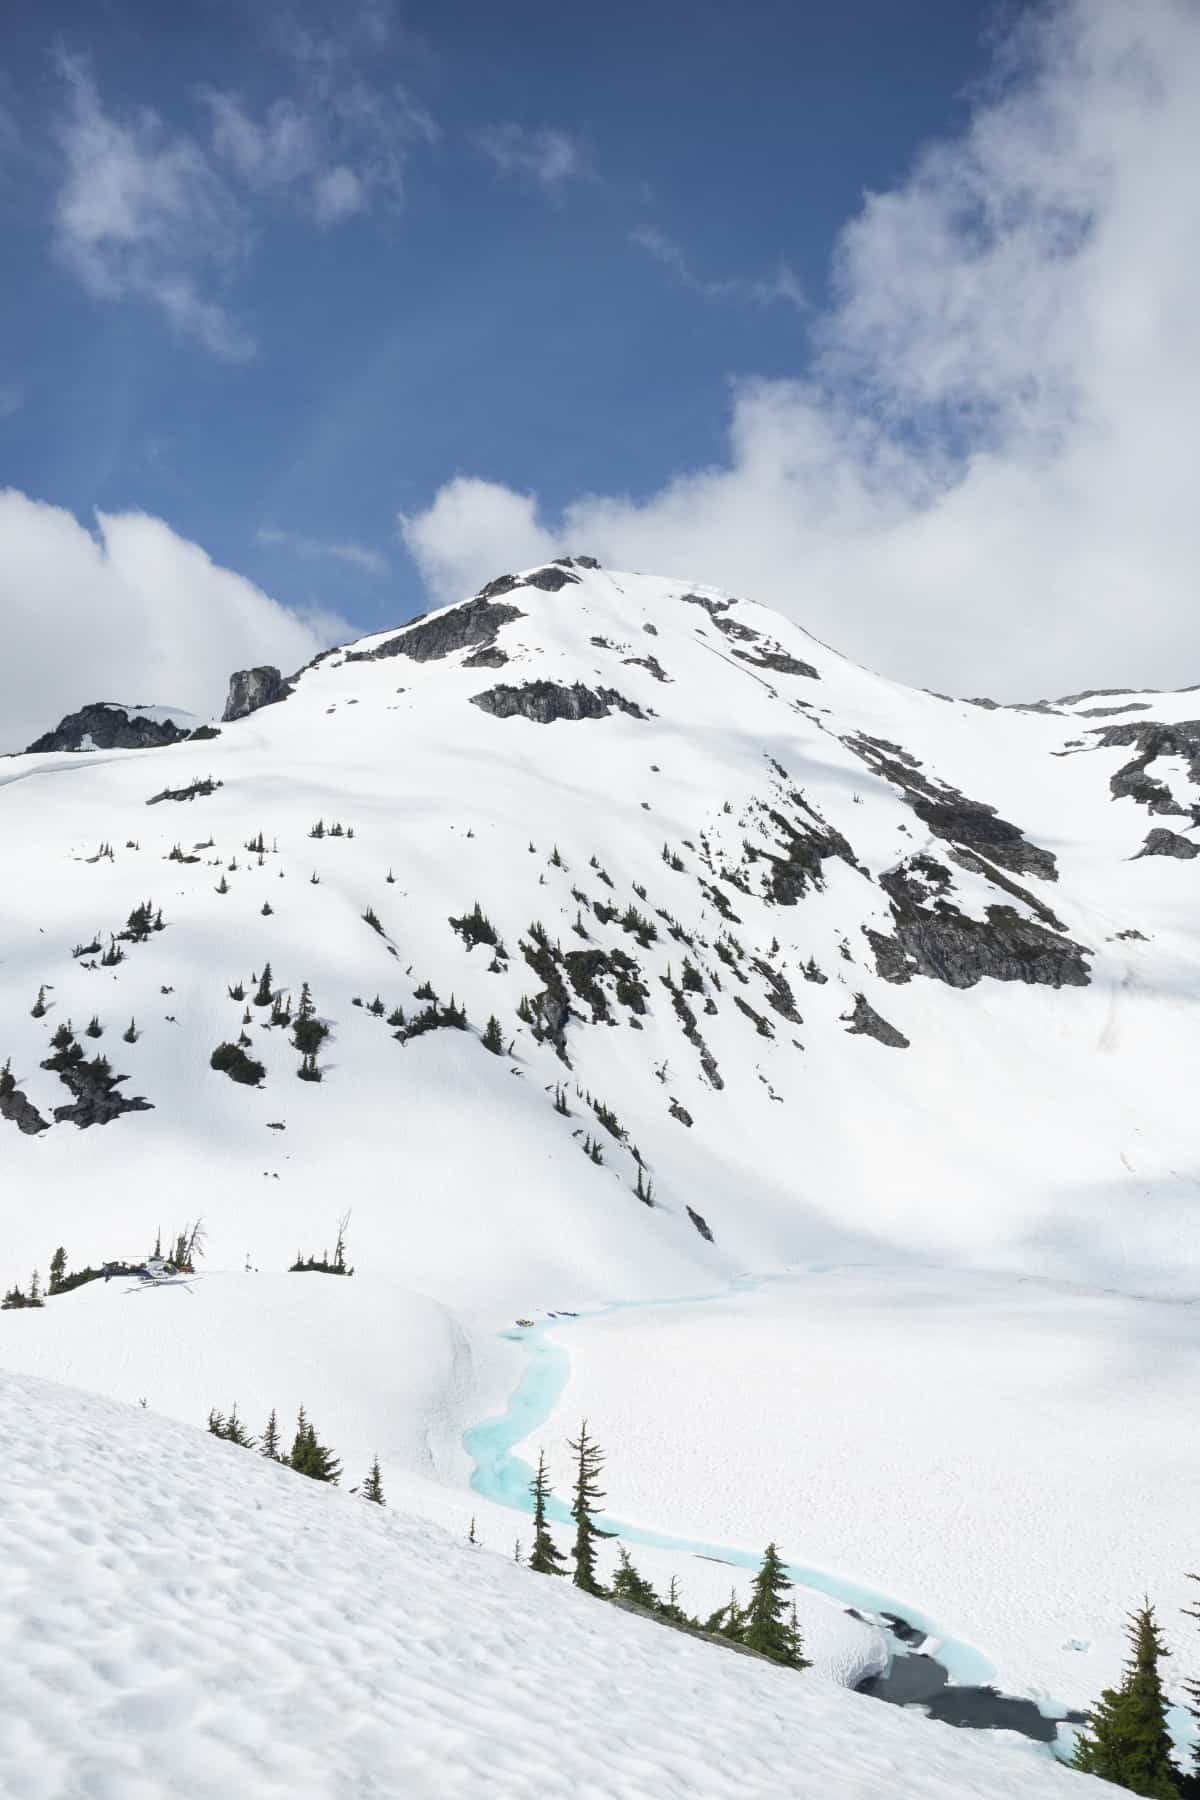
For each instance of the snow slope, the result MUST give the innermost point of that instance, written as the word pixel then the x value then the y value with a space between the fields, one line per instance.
pixel 1026 1126
pixel 807 849
pixel 179 1617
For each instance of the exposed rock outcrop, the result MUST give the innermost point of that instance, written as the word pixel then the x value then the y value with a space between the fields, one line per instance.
pixel 546 701
pixel 779 662
pixel 96 1098
pixel 950 815
pixel 933 937
pixel 864 1021
pixel 103 725
pixel 252 689
pixel 1151 740
pixel 806 845
pixel 1161 842
pixel 471 626
pixel 553 578
pixel 21 1111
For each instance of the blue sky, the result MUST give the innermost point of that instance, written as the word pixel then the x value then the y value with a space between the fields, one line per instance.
pixel 587 221
pixel 883 314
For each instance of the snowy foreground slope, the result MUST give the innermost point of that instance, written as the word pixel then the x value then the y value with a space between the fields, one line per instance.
pixel 179 1617
pixel 890 994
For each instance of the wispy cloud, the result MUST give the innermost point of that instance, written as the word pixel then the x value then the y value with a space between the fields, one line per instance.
pixel 358 556
pixel 546 157
pixel 982 480
pixel 156 213
pixel 142 212
pixel 784 285
pixel 12 399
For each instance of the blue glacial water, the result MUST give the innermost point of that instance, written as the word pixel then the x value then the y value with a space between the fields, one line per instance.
pixel 502 1476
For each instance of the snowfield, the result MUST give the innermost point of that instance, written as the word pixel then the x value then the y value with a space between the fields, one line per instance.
pixel 874 995
pixel 181 1618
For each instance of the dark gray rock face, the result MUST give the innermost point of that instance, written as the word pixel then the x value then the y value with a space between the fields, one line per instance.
pixel 1161 842
pixel 97 1101
pixel 21 1112
pixel 1150 740
pixel 489 657
pixel 552 579
pixel 864 1021
pixel 933 937
pixel 950 815
pixel 732 628
pixel 805 846
pixel 714 608
pixel 780 662
pixel 102 726
pixel 251 689
pixel 701 1223
pixel 546 701
pixel 471 626
pixel 650 663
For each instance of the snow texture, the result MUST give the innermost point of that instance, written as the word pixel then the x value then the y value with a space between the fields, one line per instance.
pixel 181 1618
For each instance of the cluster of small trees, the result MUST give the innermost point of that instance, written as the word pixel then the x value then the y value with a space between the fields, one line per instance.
pixel 1126 1740
pixel 15 1299
pixel 767 1624
pixel 304 1265
pixel 308 1031
pixel 307 1456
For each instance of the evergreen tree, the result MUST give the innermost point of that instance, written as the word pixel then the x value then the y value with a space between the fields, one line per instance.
pixel 729 1621
pixel 269 1443
pixel 671 1608
pixel 627 1584
pixel 584 1497
pixel 309 1456
pixel 1192 1688
pixel 767 1629
pixel 216 1422
pixel 58 1268
pixel 35 1290
pixel 372 1487
pixel 545 1556
pixel 493 1037
pixel 235 1432
pixel 1126 1740
pixel 263 995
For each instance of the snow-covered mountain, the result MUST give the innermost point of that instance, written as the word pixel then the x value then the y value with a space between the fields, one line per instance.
pixel 790 968
pixel 857 969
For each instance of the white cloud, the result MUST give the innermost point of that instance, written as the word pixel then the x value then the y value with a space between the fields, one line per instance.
pixel 761 290
pixel 474 530
pixel 134 612
pixel 150 213
pixel 141 212
pixel 985 481
pixel 547 157
pixel 358 556
pixel 338 194
pixel 280 150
